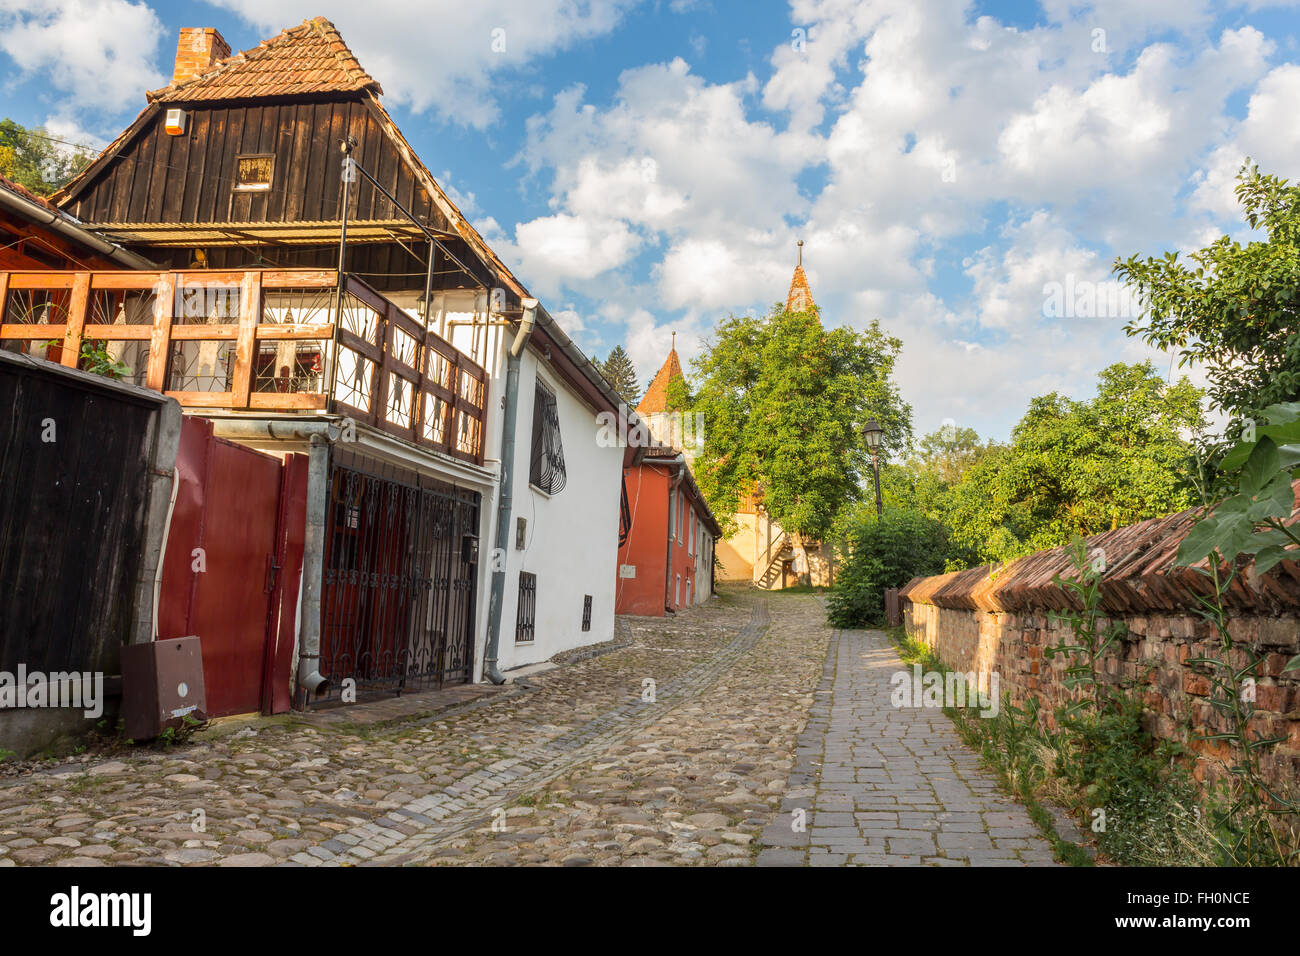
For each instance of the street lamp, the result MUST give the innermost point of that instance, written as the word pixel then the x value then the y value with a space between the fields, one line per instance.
pixel 875 436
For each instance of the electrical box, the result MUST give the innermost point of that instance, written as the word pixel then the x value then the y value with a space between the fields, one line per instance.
pixel 162 683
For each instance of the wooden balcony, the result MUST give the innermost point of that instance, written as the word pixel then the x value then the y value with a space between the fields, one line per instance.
pixel 260 340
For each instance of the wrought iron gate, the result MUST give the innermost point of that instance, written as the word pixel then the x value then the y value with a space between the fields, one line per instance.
pixel 397 605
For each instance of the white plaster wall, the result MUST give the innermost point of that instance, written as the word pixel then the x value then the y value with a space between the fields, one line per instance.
pixel 572 542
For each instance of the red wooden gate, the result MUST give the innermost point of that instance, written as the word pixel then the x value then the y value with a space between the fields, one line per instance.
pixel 231 571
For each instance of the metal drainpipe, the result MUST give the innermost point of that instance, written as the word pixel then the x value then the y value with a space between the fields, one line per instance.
pixel 70 230
pixel 497 597
pixel 321 435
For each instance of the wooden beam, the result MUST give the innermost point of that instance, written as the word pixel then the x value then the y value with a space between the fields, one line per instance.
pixel 117 333
pixel 76 320
pixel 289 401
pixel 250 313
pixel 32 331
pixel 160 341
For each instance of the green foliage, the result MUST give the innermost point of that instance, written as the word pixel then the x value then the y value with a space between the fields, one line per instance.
pixel 96 358
pixel 621 373
pixel 1235 308
pixel 1076 468
pixel 1093 636
pixel 1249 523
pixel 31 159
pixel 884 553
pixel 784 400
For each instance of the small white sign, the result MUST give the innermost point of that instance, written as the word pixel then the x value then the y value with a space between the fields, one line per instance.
pixel 627 570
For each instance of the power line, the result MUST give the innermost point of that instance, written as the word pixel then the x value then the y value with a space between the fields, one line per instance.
pixel 63 142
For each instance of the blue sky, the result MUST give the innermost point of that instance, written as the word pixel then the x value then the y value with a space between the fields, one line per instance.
pixel 647 166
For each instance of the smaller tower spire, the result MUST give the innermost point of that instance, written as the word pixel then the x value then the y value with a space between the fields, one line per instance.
pixel 800 297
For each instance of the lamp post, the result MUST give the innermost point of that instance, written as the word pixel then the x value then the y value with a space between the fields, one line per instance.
pixel 875 436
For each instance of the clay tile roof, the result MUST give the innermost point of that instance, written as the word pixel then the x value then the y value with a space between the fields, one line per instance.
pixel 800 298
pixel 308 58
pixel 656 396
pixel 1140 576
pixel 25 193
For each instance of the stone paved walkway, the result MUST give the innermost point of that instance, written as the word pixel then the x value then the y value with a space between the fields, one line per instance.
pixel 576 766
pixel 883 786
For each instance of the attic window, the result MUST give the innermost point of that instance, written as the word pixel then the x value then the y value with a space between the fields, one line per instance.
pixel 253 173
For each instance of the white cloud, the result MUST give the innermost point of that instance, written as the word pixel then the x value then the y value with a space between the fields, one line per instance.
pixel 98 54
pixel 571 246
pixel 1269 135
pixel 448 55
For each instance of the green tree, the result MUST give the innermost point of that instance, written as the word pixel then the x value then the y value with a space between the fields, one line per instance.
pixel 32 159
pixel 621 373
pixel 1079 468
pixel 884 553
pixel 949 453
pixel 1235 308
pixel 783 401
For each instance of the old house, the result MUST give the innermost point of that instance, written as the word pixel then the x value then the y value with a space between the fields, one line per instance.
pixel 320 299
pixel 668 537
pixel 666 550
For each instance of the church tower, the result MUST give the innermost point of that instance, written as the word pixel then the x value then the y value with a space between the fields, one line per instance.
pixel 666 426
pixel 800 297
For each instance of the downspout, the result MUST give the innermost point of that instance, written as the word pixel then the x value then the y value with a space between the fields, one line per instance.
pixel 526 324
pixel 321 435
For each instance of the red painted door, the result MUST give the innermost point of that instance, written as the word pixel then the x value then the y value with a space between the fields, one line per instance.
pixel 218 572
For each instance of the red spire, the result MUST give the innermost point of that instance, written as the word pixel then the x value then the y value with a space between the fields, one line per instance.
pixel 800 297
pixel 656 396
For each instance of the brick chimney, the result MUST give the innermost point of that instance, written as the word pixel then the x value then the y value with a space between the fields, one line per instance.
pixel 198 49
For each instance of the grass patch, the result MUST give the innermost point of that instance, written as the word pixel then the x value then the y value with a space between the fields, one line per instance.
pixel 1127 790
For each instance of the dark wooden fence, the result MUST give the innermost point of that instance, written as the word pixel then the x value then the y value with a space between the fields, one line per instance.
pixel 80 462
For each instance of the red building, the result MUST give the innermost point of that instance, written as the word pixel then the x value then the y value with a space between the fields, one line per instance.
pixel 665 557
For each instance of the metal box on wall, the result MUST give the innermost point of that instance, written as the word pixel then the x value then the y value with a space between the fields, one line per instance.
pixel 162 682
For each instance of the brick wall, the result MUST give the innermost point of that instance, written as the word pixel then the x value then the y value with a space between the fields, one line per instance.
pixel 986 622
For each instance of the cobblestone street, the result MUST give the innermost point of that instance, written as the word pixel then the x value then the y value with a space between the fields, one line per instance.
pixel 685 745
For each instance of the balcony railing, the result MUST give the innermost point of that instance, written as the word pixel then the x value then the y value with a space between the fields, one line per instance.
pixel 259 340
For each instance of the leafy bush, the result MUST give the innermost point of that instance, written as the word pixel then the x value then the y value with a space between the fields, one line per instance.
pixel 884 553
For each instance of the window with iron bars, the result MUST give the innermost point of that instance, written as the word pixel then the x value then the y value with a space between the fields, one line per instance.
pixel 586 612
pixel 546 469
pixel 526 616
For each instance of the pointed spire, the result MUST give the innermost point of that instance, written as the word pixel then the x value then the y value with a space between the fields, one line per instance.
pixel 656 396
pixel 800 297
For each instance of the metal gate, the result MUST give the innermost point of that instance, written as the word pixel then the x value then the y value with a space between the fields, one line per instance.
pixel 227 545
pixel 397 602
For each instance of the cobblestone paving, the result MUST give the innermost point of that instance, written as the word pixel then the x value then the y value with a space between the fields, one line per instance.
pixel 885 786
pixel 574 766
pixel 578 767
